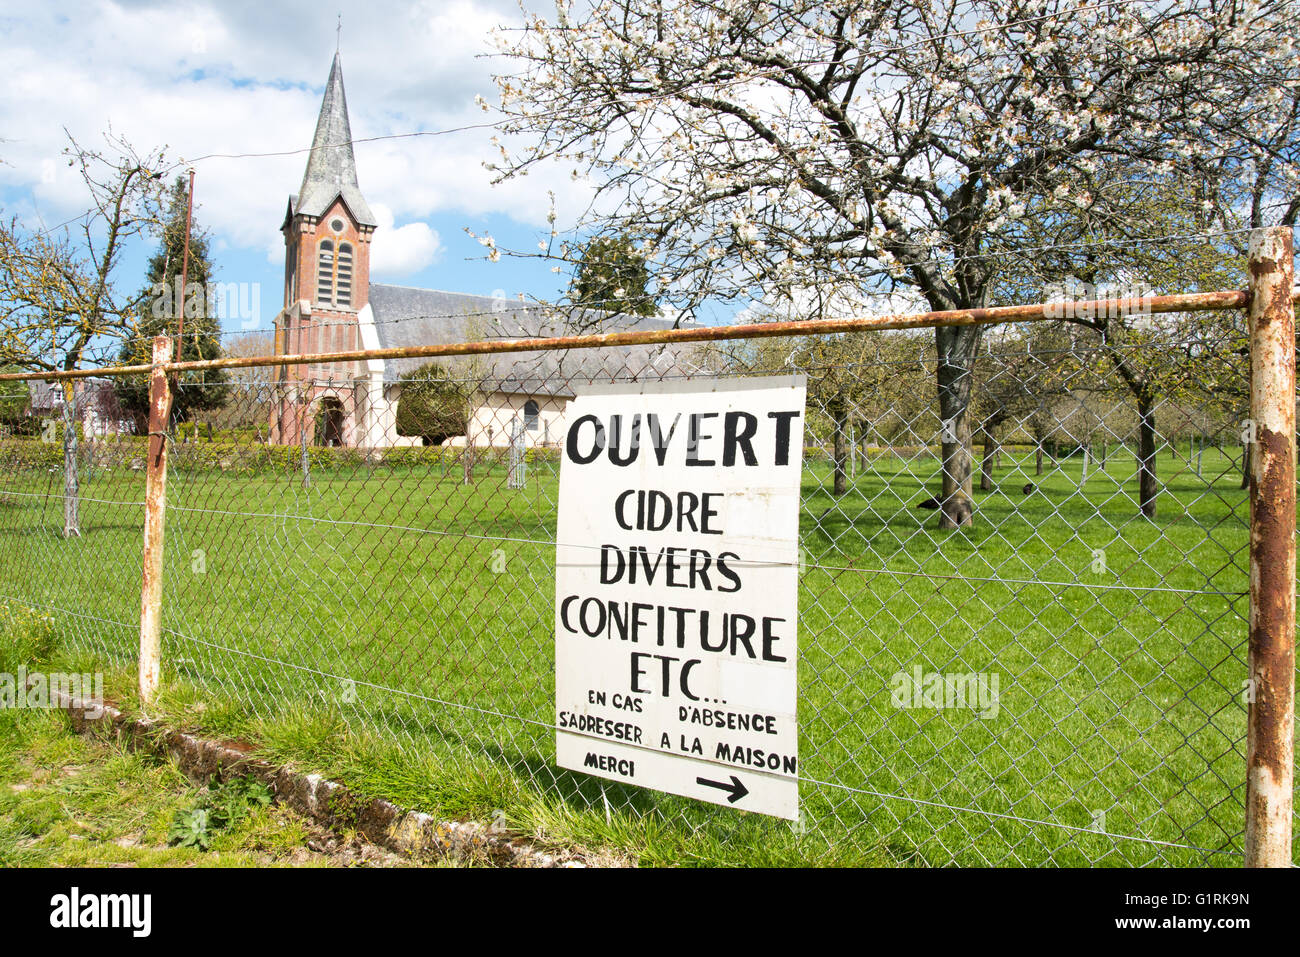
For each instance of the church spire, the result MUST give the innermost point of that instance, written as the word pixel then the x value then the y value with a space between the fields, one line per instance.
pixel 331 167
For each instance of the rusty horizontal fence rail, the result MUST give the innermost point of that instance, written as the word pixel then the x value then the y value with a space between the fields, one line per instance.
pixel 993 315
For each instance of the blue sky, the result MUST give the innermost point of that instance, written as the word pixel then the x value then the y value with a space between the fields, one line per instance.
pixel 205 78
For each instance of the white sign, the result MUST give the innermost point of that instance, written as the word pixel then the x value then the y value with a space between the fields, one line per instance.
pixel 676 589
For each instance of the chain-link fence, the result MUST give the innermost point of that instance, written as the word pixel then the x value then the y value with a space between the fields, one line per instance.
pixel 1062 681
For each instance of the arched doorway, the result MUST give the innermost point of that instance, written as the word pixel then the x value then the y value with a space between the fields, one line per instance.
pixel 329 422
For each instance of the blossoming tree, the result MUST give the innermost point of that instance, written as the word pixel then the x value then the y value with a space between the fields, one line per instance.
pixel 757 148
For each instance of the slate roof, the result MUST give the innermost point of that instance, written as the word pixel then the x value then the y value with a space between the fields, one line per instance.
pixel 47 397
pixel 405 316
pixel 331 167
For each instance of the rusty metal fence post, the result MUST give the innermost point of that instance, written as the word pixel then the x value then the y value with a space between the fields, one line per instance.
pixel 1270 736
pixel 155 517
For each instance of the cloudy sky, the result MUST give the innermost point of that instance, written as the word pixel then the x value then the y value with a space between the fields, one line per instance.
pixel 247 77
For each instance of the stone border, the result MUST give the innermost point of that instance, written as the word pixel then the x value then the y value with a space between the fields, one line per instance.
pixel 412 834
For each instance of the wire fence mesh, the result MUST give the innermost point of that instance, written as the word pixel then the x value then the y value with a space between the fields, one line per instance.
pixel 1061 682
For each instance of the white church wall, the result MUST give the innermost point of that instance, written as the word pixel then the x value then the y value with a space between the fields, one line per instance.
pixel 490 423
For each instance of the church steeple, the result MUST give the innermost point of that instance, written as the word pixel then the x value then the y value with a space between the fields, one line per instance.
pixel 327 231
pixel 328 225
pixel 331 167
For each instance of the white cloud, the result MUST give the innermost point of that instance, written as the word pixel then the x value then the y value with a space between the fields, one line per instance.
pixel 210 78
pixel 404 250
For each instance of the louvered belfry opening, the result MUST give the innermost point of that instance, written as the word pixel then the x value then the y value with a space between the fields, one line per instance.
pixel 343 280
pixel 325 273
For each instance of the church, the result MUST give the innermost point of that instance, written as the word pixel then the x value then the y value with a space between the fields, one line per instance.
pixel 331 305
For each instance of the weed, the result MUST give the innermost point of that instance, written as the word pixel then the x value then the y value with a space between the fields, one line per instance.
pixel 219 809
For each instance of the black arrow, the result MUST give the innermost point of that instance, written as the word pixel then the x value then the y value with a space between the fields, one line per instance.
pixel 737 789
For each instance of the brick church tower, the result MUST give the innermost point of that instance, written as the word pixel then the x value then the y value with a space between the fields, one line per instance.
pixel 327 229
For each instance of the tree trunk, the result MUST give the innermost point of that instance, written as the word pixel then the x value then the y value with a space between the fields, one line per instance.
pixel 1143 391
pixel 852 452
pixel 956 347
pixel 841 416
pixel 303 432
pixel 71 516
pixel 986 466
pixel 1038 458
pixel 1147 487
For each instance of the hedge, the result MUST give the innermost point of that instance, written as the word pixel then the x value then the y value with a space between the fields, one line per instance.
pixel 129 452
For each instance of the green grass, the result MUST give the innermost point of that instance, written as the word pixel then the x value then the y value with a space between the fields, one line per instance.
pixel 69 800
pixel 1119 687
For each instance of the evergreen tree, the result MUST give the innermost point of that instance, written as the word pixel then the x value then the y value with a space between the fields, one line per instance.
pixel 434 404
pixel 163 306
pixel 613 277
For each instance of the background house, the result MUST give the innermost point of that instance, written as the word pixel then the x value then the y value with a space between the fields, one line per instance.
pixel 98 409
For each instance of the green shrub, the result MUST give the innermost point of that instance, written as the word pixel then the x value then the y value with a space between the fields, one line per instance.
pixel 250 457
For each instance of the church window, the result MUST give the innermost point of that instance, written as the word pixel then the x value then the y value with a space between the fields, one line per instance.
pixel 531 411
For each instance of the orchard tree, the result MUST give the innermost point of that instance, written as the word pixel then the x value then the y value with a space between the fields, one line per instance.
pixel 1261 190
pixel 1151 360
pixel 857 381
pixel 1017 382
pixel 60 308
pixel 752 148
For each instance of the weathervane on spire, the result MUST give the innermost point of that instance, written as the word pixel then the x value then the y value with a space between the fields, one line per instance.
pixel 338 34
